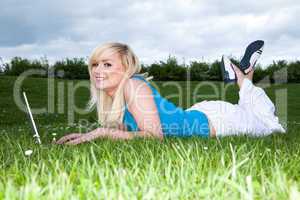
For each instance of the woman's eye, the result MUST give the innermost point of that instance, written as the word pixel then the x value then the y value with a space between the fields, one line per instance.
pixel 94 64
pixel 107 64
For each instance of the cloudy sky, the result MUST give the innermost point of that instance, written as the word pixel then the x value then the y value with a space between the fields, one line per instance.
pixel 189 29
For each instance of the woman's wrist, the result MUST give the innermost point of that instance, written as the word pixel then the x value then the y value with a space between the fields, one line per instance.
pixel 113 133
pixel 97 131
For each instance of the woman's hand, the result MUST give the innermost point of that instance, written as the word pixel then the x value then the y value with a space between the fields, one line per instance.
pixel 78 138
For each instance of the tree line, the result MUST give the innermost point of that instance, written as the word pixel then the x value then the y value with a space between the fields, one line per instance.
pixel 169 70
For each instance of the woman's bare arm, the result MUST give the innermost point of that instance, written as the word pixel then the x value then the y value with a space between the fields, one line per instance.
pixel 142 106
pixel 114 134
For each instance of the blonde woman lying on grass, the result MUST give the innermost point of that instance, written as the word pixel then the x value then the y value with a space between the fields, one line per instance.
pixel 128 106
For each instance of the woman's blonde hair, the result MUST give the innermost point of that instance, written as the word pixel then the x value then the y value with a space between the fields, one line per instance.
pixel 111 110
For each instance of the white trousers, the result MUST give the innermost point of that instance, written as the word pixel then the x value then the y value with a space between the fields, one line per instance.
pixel 253 115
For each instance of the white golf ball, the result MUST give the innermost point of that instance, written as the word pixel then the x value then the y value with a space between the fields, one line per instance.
pixel 28 152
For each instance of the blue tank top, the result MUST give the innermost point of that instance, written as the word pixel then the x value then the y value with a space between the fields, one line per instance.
pixel 174 120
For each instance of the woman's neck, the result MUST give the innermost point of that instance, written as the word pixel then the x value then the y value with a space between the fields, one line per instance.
pixel 111 92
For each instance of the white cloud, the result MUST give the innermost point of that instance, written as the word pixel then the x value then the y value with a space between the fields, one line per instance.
pixel 154 29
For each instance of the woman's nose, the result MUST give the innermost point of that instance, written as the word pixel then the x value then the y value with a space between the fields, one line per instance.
pixel 98 68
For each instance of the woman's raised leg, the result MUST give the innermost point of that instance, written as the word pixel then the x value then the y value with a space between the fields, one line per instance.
pixel 255 100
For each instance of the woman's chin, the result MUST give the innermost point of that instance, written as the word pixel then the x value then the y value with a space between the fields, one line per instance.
pixel 100 86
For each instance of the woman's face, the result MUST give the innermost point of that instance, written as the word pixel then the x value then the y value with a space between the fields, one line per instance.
pixel 108 72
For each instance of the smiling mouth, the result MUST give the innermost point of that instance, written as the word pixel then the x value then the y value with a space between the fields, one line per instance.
pixel 100 78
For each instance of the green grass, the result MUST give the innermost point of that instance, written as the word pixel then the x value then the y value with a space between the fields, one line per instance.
pixel 186 168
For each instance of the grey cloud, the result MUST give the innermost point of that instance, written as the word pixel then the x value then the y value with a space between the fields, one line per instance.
pixel 186 28
pixel 26 22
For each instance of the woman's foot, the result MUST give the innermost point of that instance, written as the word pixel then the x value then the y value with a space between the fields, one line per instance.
pixel 250 75
pixel 232 73
pixel 251 55
pixel 227 70
pixel 241 76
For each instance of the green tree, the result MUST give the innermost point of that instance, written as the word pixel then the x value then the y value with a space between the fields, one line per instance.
pixel 294 72
pixel 276 66
pixel 215 72
pixel 166 71
pixel 19 65
pixel 75 68
pixel 171 70
pixel 199 71
pixel 155 71
pixel 259 74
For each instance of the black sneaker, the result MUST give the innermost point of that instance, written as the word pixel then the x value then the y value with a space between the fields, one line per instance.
pixel 252 54
pixel 228 71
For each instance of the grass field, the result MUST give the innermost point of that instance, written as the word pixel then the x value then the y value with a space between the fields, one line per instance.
pixel 186 168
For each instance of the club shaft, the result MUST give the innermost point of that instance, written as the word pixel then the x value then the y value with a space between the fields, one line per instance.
pixel 32 120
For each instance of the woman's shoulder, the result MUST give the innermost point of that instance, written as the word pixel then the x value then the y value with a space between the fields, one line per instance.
pixel 137 85
pixel 134 82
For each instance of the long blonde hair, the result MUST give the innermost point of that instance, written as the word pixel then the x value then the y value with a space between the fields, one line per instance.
pixel 110 110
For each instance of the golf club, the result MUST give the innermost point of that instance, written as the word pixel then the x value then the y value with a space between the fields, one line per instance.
pixel 36 135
